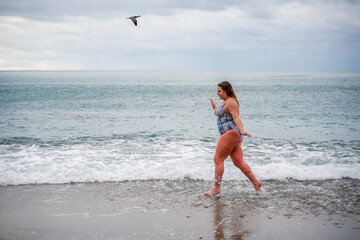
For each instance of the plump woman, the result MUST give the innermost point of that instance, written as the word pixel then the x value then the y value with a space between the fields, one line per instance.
pixel 232 132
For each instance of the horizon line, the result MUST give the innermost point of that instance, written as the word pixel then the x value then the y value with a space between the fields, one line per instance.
pixel 189 70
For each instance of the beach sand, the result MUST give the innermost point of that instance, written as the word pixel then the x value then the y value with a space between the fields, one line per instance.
pixel 164 209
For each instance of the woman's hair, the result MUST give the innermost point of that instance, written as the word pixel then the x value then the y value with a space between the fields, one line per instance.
pixel 226 86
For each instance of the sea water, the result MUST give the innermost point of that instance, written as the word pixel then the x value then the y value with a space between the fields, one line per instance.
pixel 87 126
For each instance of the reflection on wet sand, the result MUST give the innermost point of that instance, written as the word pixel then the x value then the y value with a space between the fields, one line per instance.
pixel 228 221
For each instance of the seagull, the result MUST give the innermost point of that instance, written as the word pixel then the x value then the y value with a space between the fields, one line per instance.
pixel 133 18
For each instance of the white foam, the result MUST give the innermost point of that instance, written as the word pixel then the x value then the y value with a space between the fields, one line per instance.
pixel 138 159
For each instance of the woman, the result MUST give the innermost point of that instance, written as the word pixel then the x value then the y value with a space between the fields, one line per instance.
pixel 232 133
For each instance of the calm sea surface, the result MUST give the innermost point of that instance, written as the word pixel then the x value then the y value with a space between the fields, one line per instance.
pixel 85 126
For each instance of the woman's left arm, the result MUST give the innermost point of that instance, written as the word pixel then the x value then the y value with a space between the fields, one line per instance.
pixel 233 109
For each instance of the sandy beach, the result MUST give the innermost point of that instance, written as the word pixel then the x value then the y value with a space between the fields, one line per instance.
pixel 166 209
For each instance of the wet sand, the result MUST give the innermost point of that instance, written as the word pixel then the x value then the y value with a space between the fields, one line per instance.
pixel 166 209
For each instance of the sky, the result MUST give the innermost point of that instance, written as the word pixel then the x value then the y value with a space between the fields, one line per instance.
pixel 180 35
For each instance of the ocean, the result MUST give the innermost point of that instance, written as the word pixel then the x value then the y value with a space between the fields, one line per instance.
pixel 114 126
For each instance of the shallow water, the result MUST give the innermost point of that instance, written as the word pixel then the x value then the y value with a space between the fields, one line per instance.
pixel 86 126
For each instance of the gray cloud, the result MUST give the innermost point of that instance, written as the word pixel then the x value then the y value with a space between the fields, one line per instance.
pixel 54 9
pixel 180 35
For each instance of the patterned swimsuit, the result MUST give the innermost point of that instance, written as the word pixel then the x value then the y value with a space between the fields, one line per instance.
pixel 225 122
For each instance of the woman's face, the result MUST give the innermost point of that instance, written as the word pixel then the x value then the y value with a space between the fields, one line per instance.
pixel 221 93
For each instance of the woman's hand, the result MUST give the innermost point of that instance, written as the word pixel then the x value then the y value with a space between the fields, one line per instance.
pixel 246 134
pixel 213 103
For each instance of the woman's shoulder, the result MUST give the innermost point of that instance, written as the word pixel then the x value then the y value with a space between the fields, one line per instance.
pixel 232 104
pixel 232 101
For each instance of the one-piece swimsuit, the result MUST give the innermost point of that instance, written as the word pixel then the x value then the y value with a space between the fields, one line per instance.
pixel 225 121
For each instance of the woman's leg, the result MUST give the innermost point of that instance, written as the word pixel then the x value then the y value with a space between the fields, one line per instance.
pixel 227 142
pixel 237 158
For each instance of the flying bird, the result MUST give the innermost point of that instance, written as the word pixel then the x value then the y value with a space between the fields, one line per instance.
pixel 133 18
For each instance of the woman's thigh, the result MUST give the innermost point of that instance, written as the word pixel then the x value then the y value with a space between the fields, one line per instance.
pixel 227 142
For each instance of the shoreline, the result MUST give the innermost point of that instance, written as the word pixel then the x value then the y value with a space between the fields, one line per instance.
pixel 165 209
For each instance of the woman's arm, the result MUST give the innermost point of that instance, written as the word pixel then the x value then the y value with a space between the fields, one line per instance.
pixel 213 103
pixel 233 109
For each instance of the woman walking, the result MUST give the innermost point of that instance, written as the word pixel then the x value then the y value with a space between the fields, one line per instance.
pixel 232 133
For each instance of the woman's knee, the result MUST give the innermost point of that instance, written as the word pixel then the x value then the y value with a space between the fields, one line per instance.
pixel 237 156
pixel 237 163
pixel 218 160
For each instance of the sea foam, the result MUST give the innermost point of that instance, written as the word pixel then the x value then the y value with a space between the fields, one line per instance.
pixel 142 159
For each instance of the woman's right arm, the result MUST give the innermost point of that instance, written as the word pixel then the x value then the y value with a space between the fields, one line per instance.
pixel 213 103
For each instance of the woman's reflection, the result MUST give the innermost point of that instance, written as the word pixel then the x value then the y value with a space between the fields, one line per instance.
pixel 230 223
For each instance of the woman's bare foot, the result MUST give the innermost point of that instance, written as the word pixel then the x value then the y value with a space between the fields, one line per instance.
pixel 213 191
pixel 257 186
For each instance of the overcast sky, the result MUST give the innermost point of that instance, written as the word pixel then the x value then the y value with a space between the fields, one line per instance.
pixel 180 35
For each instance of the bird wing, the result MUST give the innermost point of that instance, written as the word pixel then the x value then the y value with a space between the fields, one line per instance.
pixel 133 18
